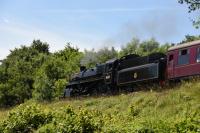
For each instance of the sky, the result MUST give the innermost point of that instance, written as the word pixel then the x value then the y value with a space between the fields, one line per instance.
pixel 91 24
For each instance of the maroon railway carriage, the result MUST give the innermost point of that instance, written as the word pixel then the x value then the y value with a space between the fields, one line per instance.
pixel 183 60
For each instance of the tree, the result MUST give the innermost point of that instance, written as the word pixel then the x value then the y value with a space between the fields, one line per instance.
pixel 148 46
pixel 163 48
pixel 17 73
pixel 40 46
pixel 72 56
pixel 143 48
pixel 106 54
pixel 52 77
pixel 47 77
pixel 189 38
pixel 130 48
pixel 193 5
pixel 91 58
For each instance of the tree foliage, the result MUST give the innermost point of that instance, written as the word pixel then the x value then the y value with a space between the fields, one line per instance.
pixel 143 48
pixel 131 47
pixel 105 54
pixel 33 71
pixel 71 56
pixel 46 78
pixel 91 57
pixel 40 46
pixel 52 76
pixel 189 38
pixel 17 74
pixel 193 5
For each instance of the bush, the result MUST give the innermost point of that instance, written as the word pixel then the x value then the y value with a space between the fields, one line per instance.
pixel 68 121
pixel 31 117
pixel 25 118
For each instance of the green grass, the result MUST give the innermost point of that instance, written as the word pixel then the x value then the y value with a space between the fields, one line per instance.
pixel 164 107
pixel 3 113
pixel 168 99
pixel 155 109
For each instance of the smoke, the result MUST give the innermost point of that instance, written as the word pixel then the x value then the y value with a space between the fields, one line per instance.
pixel 89 59
pixel 163 26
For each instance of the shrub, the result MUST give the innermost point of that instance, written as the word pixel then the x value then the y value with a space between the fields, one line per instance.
pixel 68 121
pixel 25 118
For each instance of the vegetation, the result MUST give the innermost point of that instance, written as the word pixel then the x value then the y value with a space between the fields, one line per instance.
pixel 172 109
pixel 34 72
pixel 143 48
pixel 189 38
pixel 91 58
pixel 32 76
pixel 193 5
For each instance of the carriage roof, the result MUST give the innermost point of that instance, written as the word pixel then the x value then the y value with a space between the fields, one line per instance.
pixel 184 45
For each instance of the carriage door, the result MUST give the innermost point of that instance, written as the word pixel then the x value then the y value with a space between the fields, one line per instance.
pixel 170 66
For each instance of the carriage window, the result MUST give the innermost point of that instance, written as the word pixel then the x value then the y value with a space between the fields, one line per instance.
pixel 198 55
pixel 183 57
pixel 183 52
pixel 171 57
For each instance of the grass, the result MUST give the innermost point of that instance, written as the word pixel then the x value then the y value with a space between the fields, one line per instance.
pixel 188 93
pixel 152 109
pixel 3 113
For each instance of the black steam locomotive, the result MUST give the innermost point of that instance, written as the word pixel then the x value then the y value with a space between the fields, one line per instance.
pixel 117 74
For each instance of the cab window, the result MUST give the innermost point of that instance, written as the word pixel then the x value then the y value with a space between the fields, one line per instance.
pixel 171 57
pixel 183 57
pixel 109 67
pixel 198 55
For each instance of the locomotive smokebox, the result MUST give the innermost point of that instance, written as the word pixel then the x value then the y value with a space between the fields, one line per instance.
pixel 82 68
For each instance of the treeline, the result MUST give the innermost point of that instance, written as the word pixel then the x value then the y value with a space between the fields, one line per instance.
pixel 34 72
pixel 135 46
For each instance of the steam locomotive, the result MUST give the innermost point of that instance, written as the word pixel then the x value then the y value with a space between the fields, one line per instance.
pixel 118 74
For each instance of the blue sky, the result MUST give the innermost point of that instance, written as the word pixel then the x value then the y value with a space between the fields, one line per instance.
pixel 91 24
